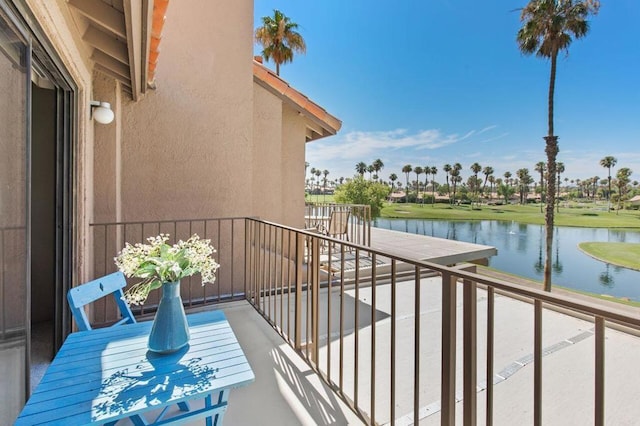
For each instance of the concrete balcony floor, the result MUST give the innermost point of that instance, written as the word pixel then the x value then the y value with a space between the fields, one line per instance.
pixel 287 392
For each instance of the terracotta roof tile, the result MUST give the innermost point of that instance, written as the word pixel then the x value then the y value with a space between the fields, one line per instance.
pixel 158 19
pixel 272 82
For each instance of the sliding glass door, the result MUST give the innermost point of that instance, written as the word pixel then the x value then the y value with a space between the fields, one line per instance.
pixel 14 216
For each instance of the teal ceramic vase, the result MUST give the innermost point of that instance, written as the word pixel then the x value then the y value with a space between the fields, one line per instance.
pixel 170 330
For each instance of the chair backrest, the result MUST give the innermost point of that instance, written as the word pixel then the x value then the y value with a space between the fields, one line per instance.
pixel 338 222
pixel 87 293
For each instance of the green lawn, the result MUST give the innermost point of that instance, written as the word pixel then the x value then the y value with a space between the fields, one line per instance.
pixel 587 216
pixel 319 198
pixel 626 255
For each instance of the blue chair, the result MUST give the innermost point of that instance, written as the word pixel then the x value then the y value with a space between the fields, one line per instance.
pixel 87 293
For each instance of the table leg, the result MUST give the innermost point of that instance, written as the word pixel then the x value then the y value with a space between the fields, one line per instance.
pixel 222 398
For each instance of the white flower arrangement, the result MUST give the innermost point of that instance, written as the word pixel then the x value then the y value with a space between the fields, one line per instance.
pixel 158 263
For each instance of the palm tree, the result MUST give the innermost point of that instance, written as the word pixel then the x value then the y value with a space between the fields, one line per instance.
pixel 525 180
pixel 447 169
pixel 487 171
pixel 318 173
pixel 325 172
pixel 393 177
pixel 506 191
pixel 361 167
pixel 406 170
pixel 433 172
pixel 492 180
pixel 507 178
pixel 608 162
pixel 476 168
pixel 313 178
pixel 279 39
pixel 418 171
pixel 455 178
pixel 427 172
pixel 549 27
pixel 370 170
pixel 622 182
pixel 377 166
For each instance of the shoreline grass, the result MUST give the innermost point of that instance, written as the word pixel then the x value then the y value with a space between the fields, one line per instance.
pixel 625 255
pixel 585 216
pixel 530 281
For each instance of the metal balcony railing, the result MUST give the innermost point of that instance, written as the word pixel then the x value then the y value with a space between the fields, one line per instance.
pixel 227 235
pixel 341 304
pixel 398 339
pixel 358 230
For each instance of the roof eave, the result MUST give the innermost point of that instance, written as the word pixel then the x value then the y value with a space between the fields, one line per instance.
pixel 125 42
pixel 320 123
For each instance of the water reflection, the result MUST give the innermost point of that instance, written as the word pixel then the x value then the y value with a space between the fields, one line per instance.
pixel 521 250
pixel 606 278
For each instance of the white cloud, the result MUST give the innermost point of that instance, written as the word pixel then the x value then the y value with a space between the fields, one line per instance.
pixel 486 146
pixel 396 147
pixel 361 145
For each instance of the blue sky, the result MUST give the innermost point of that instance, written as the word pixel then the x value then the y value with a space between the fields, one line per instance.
pixel 442 81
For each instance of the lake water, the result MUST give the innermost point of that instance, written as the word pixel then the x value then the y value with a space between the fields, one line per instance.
pixel 521 251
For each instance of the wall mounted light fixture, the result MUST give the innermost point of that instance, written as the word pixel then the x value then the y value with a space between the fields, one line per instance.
pixel 102 112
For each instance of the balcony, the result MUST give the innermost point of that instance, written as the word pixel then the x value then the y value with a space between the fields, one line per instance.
pixel 341 333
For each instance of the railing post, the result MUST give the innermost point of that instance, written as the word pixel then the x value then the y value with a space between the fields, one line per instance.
pixel 247 250
pixel 537 362
pixel 315 299
pixel 416 346
pixel 298 302
pixel 392 404
pixel 368 224
pixel 448 376
pixel 470 357
pixel 490 341
pixel 599 372
pixel 261 268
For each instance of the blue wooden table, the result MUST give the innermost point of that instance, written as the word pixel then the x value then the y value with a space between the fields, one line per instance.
pixel 103 375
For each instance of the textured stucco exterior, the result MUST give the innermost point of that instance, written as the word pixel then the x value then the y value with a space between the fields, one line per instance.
pixel 292 183
pixel 187 146
pixel 207 142
pixel 107 156
pixel 267 154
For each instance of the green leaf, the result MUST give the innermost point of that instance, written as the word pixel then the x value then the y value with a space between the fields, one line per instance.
pixel 155 284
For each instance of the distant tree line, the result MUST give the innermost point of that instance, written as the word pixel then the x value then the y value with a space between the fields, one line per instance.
pixel 481 185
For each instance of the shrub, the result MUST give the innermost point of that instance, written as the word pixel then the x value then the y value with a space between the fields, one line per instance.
pixel 361 191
